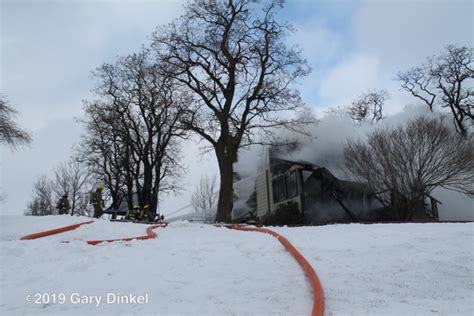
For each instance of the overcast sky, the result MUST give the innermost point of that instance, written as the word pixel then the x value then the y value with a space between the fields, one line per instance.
pixel 49 48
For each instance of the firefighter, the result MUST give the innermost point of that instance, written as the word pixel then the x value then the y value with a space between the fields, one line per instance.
pixel 134 213
pixel 97 201
pixel 148 215
pixel 63 205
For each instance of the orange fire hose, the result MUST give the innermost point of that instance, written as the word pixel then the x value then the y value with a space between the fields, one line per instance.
pixel 318 294
pixel 54 231
pixel 149 234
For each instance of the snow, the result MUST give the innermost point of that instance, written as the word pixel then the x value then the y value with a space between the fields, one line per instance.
pixel 196 269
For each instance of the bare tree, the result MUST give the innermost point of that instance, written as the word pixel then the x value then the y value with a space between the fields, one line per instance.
pixel 368 107
pixel 42 200
pixel 205 197
pixel 105 153
pixel 411 161
pixel 73 177
pixel 133 129
pixel 446 81
pixel 10 133
pixel 231 55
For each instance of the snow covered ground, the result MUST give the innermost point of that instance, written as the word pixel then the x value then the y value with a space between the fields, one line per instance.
pixel 193 269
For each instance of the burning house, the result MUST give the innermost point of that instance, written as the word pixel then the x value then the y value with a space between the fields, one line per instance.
pixel 314 193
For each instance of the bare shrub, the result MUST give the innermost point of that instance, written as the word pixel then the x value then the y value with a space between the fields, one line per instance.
pixel 411 161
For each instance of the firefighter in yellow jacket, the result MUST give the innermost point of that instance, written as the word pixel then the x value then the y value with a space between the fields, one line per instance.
pixel 97 201
pixel 134 214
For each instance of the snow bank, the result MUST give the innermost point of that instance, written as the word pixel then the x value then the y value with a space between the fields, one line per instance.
pixel 193 269
pixel 392 269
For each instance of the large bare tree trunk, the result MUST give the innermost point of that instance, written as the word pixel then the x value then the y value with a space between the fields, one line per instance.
pixel 226 191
